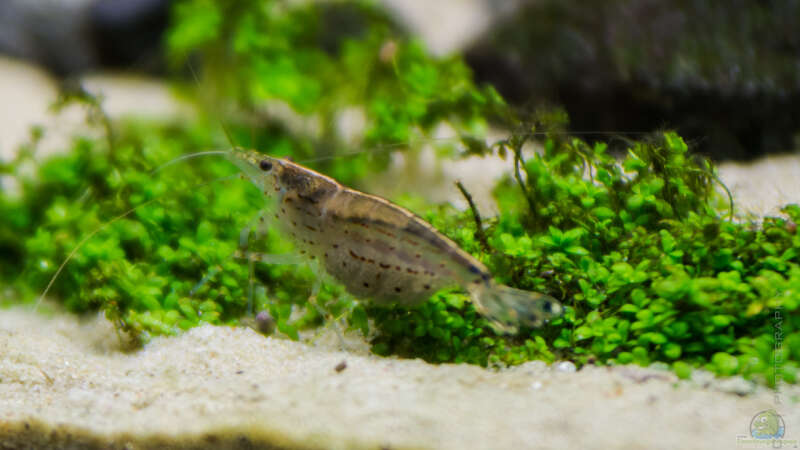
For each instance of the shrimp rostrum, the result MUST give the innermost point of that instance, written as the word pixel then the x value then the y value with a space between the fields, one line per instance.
pixel 381 252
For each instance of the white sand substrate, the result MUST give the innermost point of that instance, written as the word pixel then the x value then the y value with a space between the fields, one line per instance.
pixel 65 381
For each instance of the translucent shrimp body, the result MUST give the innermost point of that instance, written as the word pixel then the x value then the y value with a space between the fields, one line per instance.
pixel 379 251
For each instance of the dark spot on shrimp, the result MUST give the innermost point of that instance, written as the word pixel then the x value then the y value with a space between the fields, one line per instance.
pixel 265 165
pixel 313 198
pixel 385 232
pixel 427 286
pixel 398 289
pixel 366 285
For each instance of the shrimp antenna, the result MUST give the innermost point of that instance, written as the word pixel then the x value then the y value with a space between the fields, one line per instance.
pixel 101 228
pixel 189 156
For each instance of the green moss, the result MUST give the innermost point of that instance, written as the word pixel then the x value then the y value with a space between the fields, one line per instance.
pixel 640 251
pixel 320 61
pixel 648 269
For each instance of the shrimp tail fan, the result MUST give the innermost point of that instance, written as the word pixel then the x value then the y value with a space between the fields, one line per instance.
pixel 508 308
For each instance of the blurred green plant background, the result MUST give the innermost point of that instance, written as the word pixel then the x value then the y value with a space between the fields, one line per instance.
pixel 639 247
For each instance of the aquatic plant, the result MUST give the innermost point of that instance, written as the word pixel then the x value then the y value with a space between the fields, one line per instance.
pixel 640 249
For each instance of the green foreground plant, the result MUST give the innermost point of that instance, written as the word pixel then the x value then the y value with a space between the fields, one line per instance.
pixel 639 249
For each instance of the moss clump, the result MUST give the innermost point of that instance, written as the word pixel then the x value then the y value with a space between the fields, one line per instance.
pixel 639 251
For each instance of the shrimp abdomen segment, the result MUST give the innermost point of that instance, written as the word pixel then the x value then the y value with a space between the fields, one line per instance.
pixel 385 253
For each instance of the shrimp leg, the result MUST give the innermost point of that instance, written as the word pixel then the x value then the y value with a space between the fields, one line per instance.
pixel 259 224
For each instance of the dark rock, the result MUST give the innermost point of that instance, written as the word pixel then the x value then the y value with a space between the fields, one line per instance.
pixel 725 74
pixel 128 32
pixel 70 37
pixel 53 34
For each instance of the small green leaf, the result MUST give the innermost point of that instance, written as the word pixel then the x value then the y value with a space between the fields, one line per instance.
pixel 604 213
pixel 583 332
pixel 635 202
pixel 672 350
pixel 625 358
pixel 721 320
pixel 358 320
pixel 682 370
pixel 724 363
pixel 576 250
pixel 561 343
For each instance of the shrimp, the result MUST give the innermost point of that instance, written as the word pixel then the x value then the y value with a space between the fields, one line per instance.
pixel 379 251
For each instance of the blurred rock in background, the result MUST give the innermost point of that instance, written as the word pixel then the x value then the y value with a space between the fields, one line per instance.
pixel 129 32
pixel 725 74
pixel 69 37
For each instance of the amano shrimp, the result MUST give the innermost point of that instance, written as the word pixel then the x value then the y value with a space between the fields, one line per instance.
pixel 379 251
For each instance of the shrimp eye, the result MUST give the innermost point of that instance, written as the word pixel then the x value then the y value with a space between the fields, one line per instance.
pixel 265 165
